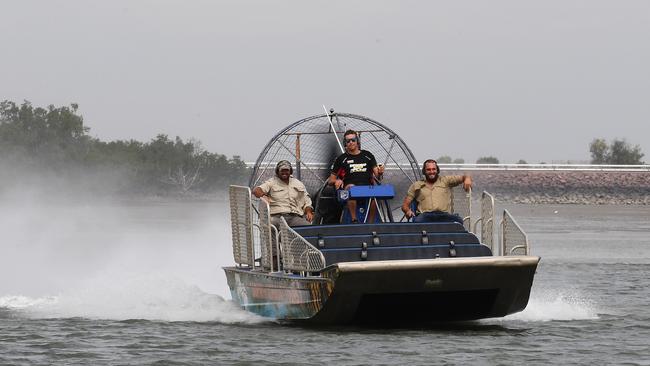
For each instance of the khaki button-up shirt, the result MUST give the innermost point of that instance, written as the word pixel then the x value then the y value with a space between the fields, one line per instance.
pixel 286 198
pixel 435 198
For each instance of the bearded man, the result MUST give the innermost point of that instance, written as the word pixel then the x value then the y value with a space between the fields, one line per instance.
pixel 433 195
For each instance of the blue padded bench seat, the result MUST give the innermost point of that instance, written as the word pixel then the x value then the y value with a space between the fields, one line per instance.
pixel 392 241
pixel 389 240
pixel 380 228
pixel 402 253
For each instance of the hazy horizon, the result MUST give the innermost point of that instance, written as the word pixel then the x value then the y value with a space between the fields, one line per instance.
pixel 515 80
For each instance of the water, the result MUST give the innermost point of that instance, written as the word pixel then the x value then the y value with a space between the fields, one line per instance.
pixel 142 284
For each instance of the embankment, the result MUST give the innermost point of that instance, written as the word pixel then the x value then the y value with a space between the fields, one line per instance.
pixel 564 187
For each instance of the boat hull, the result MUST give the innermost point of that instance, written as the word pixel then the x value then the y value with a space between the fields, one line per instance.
pixel 384 292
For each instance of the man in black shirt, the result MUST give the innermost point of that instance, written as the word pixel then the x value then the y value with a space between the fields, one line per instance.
pixel 354 167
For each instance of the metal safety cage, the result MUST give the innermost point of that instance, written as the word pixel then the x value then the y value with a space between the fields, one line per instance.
pixel 241 221
pixel 461 204
pixel 513 239
pixel 487 220
pixel 297 253
pixel 313 143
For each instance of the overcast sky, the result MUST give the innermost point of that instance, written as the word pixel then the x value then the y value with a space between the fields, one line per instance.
pixel 513 79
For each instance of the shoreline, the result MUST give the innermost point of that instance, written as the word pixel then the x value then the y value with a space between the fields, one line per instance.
pixel 564 187
pixel 571 199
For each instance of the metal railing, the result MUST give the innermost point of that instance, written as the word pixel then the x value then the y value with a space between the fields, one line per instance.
pixel 255 239
pixel 461 204
pixel 268 234
pixel 486 220
pixel 513 238
pixel 503 167
pixel 257 243
pixel 297 253
pixel 547 167
pixel 241 221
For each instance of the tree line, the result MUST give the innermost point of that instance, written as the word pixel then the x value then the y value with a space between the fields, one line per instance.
pixel 618 152
pixel 55 139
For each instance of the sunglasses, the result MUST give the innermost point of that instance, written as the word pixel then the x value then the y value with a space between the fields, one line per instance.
pixel 351 140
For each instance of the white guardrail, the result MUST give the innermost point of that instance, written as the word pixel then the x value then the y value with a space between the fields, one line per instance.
pixel 512 167
pixel 548 167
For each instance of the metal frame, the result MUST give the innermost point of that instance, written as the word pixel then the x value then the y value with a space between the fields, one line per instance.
pixel 253 234
pixel 466 198
pixel 508 222
pixel 487 221
pixel 297 253
pixel 260 163
pixel 241 220
pixel 266 231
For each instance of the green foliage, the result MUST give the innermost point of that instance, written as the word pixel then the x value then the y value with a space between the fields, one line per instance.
pixel 487 160
pixel 599 151
pixel 56 139
pixel 522 161
pixel 445 159
pixel 55 135
pixel 619 152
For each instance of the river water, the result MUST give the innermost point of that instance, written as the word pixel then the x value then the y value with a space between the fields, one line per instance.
pixel 141 284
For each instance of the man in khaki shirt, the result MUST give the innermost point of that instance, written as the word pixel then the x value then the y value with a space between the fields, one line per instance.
pixel 433 195
pixel 287 197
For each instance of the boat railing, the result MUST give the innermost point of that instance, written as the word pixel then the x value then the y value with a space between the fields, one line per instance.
pixel 254 238
pixel 297 253
pixel 268 234
pixel 256 242
pixel 513 239
pixel 241 221
pixel 486 220
pixel 461 204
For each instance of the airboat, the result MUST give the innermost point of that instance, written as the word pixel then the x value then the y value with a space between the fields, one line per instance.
pixel 388 271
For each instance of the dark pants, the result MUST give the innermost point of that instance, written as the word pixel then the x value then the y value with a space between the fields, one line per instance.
pixel 437 216
pixel 292 220
pixel 276 219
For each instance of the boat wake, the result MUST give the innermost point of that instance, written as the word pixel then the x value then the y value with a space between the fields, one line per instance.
pixel 116 262
pixel 154 297
pixel 553 306
pixel 148 297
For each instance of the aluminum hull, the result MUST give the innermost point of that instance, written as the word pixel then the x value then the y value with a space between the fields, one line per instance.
pixel 385 292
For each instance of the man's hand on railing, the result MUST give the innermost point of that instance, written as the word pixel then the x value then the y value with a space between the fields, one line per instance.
pixel 467 183
pixel 309 214
pixel 409 213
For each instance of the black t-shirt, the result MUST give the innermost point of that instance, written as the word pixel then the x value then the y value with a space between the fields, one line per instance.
pixel 355 169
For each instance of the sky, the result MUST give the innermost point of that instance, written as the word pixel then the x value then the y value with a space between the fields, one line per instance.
pixel 532 80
